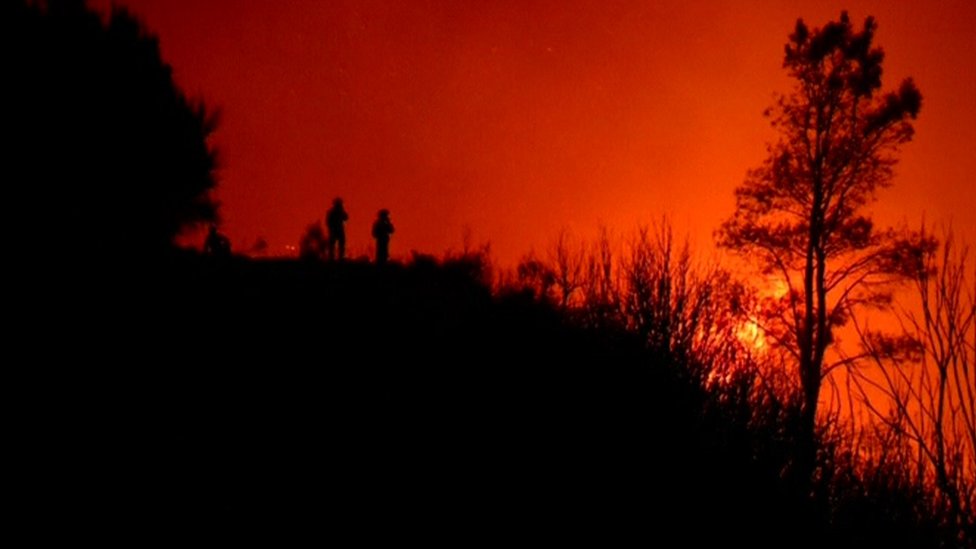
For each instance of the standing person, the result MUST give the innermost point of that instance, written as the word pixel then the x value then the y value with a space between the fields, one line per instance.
pixel 335 221
pixel 382 229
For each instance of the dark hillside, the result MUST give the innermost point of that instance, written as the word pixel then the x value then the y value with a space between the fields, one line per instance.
pixel 278 398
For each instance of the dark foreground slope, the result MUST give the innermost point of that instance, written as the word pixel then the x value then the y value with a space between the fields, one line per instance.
pixel 271 400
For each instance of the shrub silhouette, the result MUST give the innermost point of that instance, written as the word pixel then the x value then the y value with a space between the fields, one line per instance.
pixel 109 156
pixel 296 395
pixel 314 244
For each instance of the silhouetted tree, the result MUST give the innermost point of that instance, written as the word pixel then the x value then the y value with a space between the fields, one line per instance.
pixel 601 284
pixel 926 393
pixel 567 260
pixel 536 276
pixel 801 215
pixel 108 154
pixel 682 311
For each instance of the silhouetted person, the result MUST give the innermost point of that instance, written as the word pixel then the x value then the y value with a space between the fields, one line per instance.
pixel 335 221
pixel 382 229
pixel 216 245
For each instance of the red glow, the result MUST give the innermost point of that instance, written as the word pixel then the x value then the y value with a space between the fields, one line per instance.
pixel 518 118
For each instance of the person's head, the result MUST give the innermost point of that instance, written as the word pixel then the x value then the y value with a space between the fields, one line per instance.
pixel 213 228
pixel 337 202
pixel 384 214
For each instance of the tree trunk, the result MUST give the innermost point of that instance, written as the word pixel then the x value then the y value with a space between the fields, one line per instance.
pixel 813 335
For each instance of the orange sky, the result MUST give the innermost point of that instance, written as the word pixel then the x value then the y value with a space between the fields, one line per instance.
pixel 517 118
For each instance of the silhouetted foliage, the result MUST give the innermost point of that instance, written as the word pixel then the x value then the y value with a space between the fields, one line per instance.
pixel 259 248
pixel 216 244
pixel 314 245
pixel 924 401
pixel 567 261
pixel 801 215
pixel 297 398
pixel 602 285
pixel 696 322
pixel 536 278
pixel 108 156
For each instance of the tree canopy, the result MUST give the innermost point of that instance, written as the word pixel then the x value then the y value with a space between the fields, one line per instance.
pixel 110 157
